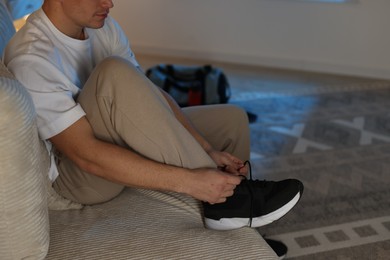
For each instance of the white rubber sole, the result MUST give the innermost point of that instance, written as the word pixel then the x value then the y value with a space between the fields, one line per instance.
pixel 234 223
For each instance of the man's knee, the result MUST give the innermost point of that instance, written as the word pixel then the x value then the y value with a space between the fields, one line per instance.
pixel 237 115
pixel 241 113
pixel 115 72
pixel 115 65
pixel 109 76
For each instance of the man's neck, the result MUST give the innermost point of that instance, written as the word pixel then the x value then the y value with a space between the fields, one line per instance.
pixel 62 22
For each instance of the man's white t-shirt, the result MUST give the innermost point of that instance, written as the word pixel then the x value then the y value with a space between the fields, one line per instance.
pixel 54 67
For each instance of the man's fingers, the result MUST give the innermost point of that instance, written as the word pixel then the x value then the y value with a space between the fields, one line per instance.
pixel 228 193
pixel 233 168
pixel 229 187
pixel 233 179
pixel 225 195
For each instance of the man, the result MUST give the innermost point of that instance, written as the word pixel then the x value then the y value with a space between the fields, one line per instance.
pixel 107 126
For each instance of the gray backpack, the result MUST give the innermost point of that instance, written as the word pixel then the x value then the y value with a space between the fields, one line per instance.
pixel 191 85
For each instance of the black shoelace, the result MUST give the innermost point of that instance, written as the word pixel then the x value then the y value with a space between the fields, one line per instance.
pixel 250 191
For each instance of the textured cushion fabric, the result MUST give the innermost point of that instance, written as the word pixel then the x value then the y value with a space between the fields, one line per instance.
pixel 24 224
pixel 7 29
pixel 143 224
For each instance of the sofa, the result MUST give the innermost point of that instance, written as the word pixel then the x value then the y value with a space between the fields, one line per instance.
pixel 36 223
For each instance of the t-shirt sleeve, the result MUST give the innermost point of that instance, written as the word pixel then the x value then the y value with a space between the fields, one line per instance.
pixel 51 91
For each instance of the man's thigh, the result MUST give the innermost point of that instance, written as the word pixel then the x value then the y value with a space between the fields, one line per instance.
pixel 82 187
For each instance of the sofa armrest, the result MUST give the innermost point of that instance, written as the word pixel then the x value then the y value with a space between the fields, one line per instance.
pixel 24 223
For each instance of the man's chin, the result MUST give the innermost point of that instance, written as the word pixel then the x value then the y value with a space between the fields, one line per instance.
pixel 97 22
pixel 96 26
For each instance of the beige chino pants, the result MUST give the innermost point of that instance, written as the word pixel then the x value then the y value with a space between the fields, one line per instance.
pixel 127 109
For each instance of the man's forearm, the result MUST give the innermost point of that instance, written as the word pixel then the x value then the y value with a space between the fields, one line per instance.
pixel 115 163
pixel 124 166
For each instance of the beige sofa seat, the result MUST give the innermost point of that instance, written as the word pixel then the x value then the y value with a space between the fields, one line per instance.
pixel 142 224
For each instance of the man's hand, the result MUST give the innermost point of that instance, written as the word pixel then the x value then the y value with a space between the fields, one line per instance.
pixel 228 163
pixel 212 185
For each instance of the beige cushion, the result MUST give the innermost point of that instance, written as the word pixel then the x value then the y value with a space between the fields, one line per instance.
pixel 144 224
pixel 24 224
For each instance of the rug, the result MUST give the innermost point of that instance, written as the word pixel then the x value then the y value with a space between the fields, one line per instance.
pixel 336 140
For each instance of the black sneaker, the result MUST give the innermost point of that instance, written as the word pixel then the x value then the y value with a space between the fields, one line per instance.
pixel 254 203
pixel 279 248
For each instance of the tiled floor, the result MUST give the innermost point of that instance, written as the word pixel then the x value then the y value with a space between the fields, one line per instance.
pixel 330 238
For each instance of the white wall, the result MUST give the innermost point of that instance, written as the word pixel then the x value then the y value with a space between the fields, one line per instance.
pixel 351 38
